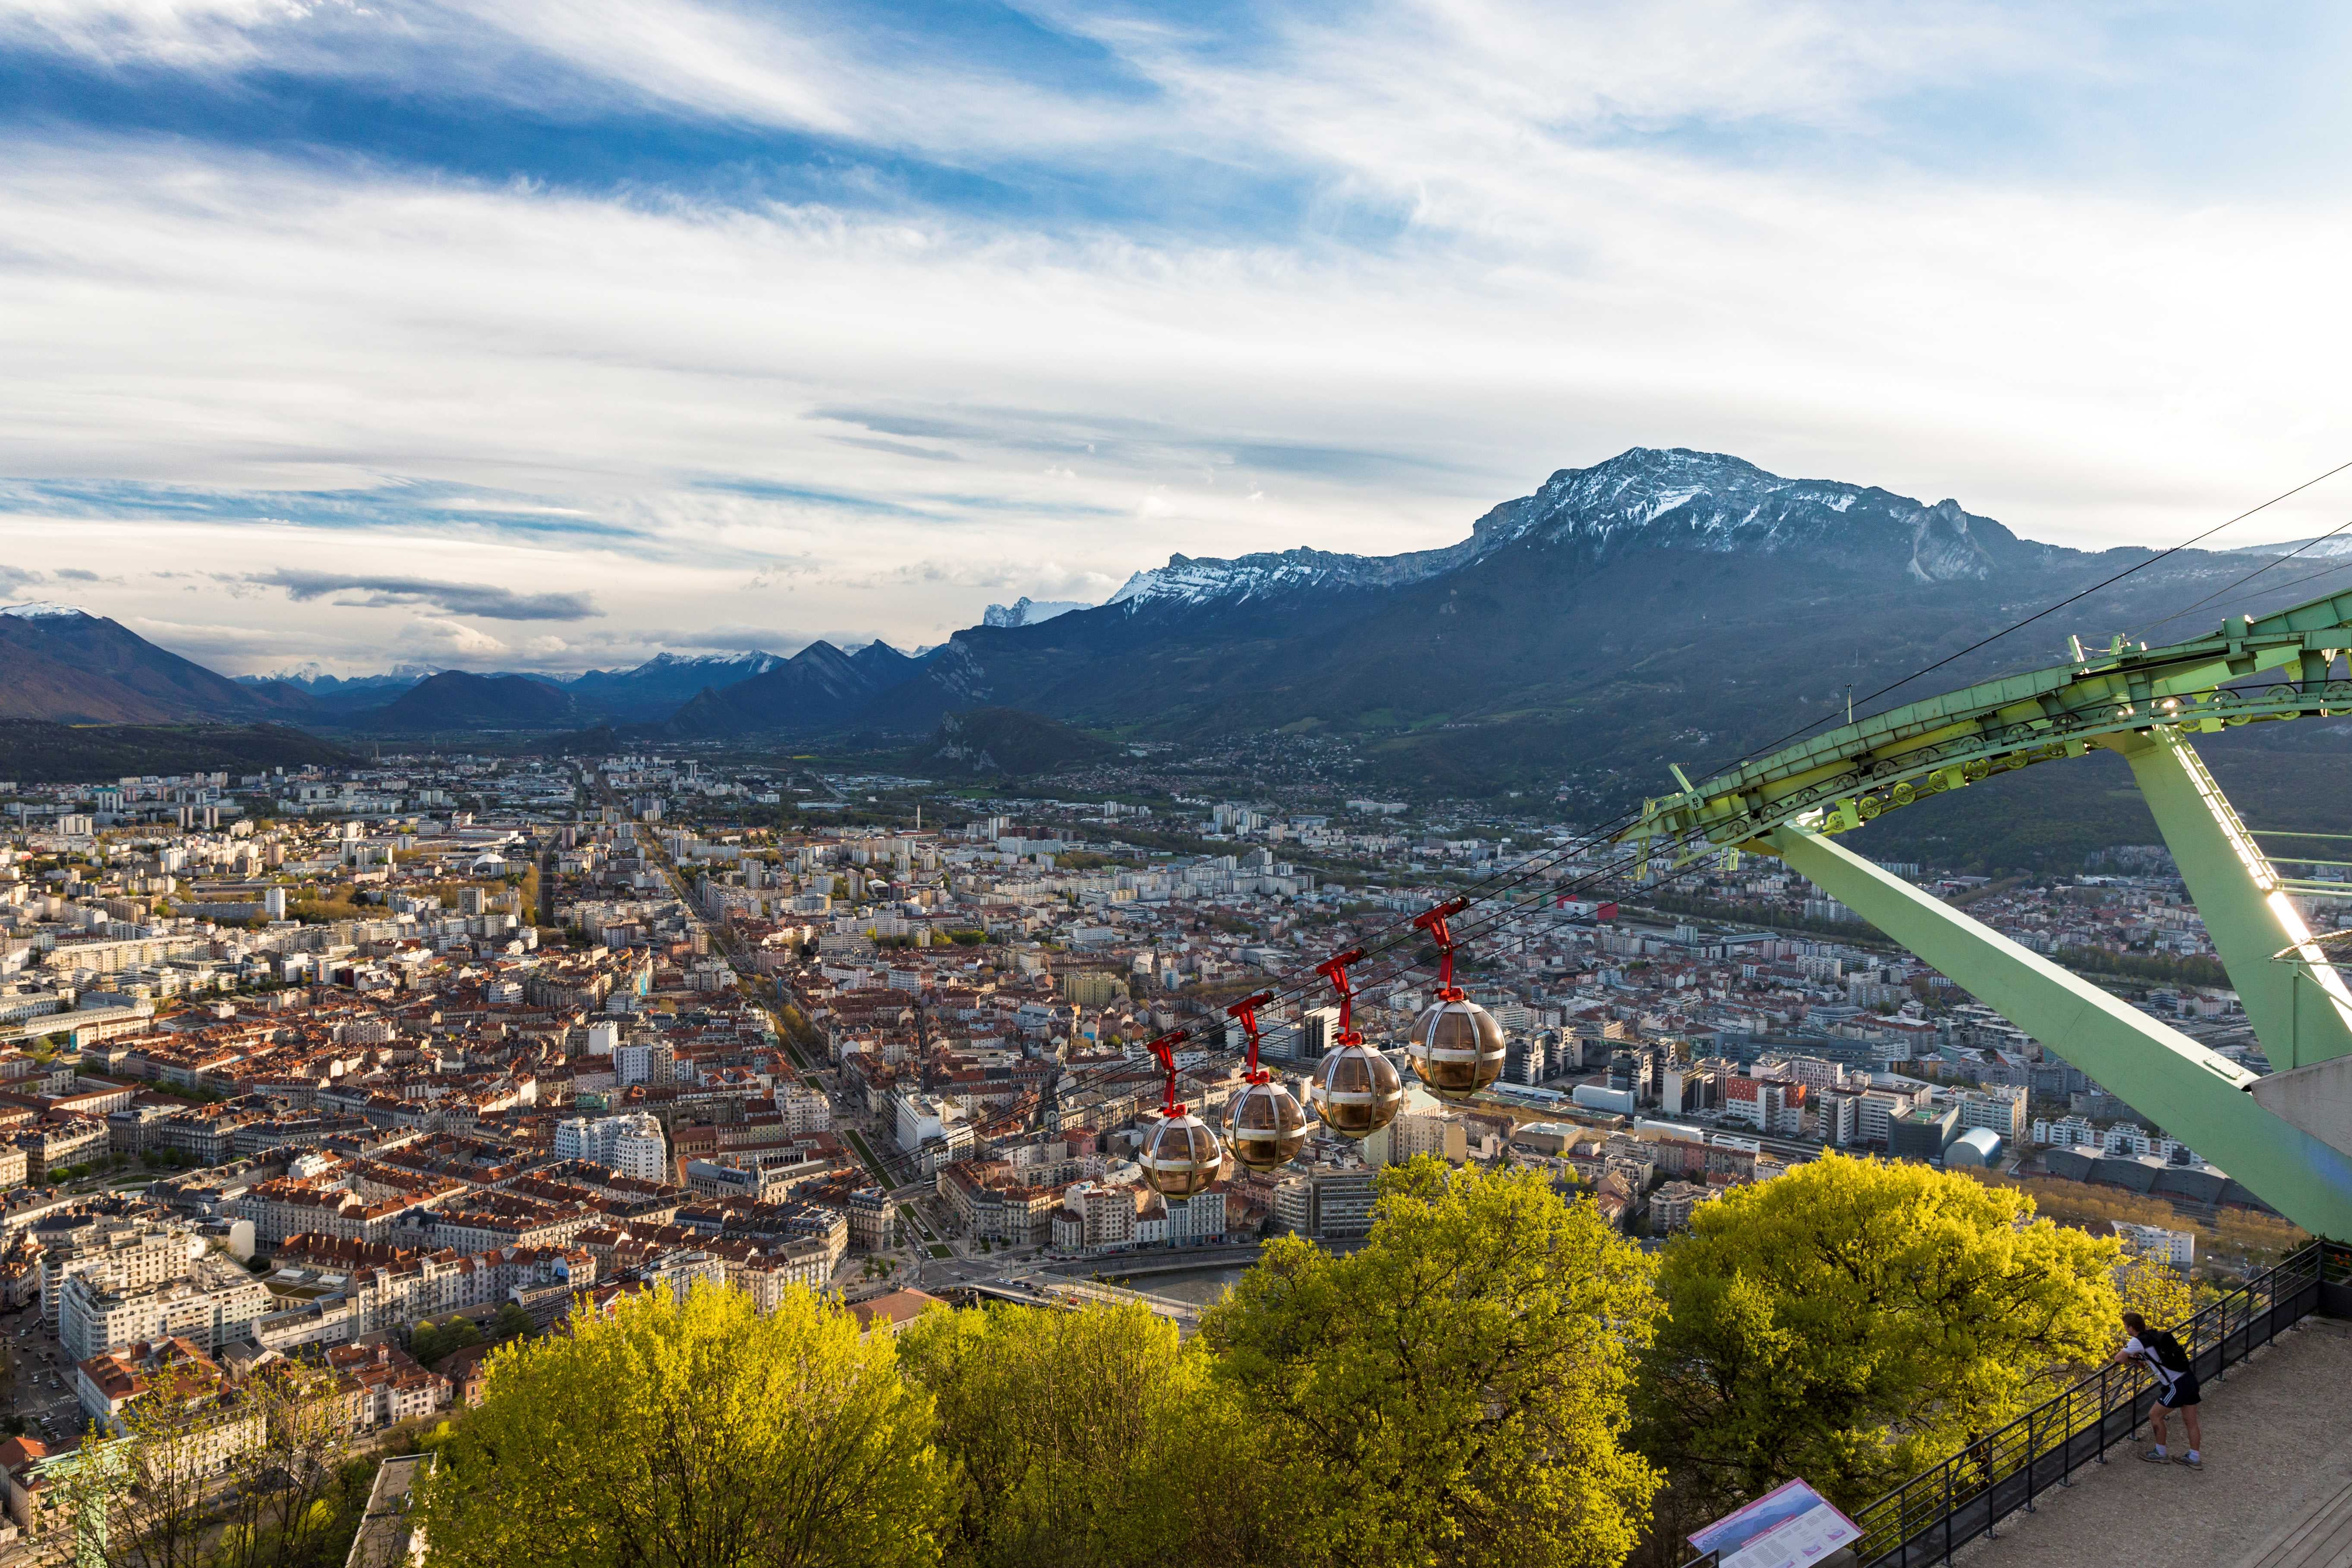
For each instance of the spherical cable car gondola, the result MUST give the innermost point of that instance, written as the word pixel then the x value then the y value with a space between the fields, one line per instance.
pixel 1356 1090
pixel 1265 1125
pixel 1180 1155
pixel 1456 1047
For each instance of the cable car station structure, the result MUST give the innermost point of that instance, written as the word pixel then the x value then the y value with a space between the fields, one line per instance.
pixel 2286 1137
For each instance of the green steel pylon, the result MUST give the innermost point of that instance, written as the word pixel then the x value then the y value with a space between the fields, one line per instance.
pixel 2294 998
pixel 2287 1137
pixel 2197 1096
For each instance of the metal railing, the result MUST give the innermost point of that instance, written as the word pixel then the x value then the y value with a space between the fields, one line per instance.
pixel 1929 1516
pixel 1940 1509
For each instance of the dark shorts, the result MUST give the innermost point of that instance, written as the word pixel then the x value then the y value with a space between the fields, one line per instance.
pixel 2183 1393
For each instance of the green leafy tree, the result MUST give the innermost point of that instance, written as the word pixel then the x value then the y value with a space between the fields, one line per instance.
pixel 429 1341
pixel 1089 1438
pixel 285 1496
pixel 1455 1392
pixel 140 1496
pixel 2156 1290
pixel 693 1434
pixel 512 1321
pixel 1853 1322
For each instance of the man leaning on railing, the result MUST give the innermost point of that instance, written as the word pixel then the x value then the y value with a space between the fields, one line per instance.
pixel 2176 1386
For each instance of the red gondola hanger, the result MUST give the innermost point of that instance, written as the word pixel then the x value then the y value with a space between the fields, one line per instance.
pixel 1244 1012
pixel 1164 1049
pixel 1335 970
pixel 1433 922
pixel 1180 1155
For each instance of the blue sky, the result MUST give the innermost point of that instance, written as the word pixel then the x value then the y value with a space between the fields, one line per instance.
pixel 563 334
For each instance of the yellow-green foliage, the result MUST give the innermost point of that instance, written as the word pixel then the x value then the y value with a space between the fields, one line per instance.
pixel 1493 1379
pixel 1852 1321
pixel 1455 1392
pixel 2156 1290
pixel 694 1435
pixel 1089 1438
pixel 2238 1234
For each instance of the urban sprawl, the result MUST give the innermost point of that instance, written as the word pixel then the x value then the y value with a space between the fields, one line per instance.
pixel 301 1069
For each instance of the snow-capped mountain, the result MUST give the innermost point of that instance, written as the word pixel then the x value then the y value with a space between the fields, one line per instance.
pixel 2334 546
pixel 741 666
pixel 1708 500
pixel 658 687
pixel 1645 497
pixel 1028 612
pixel 312 675
pixel 34 610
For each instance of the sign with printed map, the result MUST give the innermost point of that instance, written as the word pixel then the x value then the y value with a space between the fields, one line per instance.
pixel 1792 1527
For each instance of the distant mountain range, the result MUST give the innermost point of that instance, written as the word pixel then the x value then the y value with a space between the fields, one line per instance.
pixel 61 663
pixel 654 689
pixel 2322 548
pixel 657 688
pixel 1666 606
pixel 458 700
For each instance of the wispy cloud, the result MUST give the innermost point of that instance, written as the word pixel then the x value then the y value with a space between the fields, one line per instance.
pixel 417 503
pixel 485 600
pixel 671 314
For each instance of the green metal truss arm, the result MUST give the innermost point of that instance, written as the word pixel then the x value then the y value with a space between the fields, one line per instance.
pixel 2292 996
pixel 2194 1095
pixel 1890 759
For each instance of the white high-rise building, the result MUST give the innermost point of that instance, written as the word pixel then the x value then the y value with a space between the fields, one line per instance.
pixel 2001 1109
pixel 805 1109
pixel 632 1144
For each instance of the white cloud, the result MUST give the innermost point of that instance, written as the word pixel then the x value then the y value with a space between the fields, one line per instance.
pixel 208 34
pixel 430 634
pixel 1560 263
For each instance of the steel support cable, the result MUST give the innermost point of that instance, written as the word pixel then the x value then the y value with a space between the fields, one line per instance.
pixel 2274 560
pixel 1095 1074
pixel 2052 610
pixel 1484 893
pixel 1299 985
pixel 1499 885
pixel 1497 909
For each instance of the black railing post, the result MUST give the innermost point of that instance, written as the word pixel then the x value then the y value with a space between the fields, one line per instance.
pixel 2066 1440
pixel 2107 1404
pixel 2029 1462
pixel 1947 1511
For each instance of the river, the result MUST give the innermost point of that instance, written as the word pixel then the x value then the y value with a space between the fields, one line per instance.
pixel 1203 1285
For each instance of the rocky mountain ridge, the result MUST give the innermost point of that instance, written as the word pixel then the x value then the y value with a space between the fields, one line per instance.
pixel 1658 607
pixel 1645 498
